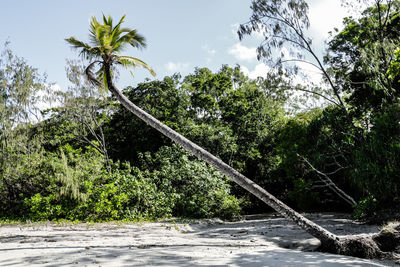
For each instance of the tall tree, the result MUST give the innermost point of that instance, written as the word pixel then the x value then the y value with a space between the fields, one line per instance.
pixel 20 88
pixel 286 45
pixel 107 41
pixel 284 25
pixel 360 56
pixel 83 111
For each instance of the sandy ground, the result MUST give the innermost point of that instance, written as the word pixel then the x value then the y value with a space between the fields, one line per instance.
pixel 260 241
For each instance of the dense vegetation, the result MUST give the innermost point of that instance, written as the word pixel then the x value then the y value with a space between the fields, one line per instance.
pixel 87 158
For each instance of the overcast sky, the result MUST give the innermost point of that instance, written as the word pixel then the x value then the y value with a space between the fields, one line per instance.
pixel 181 34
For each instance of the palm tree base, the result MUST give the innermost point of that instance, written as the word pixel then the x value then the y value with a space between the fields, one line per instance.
pixel 355 246
pixel 384 245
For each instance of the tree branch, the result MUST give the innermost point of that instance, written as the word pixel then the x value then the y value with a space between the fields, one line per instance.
pixel 325 178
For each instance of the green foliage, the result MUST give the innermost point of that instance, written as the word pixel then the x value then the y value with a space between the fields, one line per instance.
pixel 303 194
pixel 42 208
pixel 197 190
pixel 365 208
pixel 127 135
pixel 59 169
pixel 20 168
pixel 377 163
pixel 394 68
pixel 312 144
pixel 80 188
pixel 361 55
pixel 20 85
pixel 83 110
pixel 302 138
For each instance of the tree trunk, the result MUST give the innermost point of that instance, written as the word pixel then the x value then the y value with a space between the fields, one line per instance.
pixel 329 241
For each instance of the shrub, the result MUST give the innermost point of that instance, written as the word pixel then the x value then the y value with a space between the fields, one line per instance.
pixel 197 190
pixel 80 188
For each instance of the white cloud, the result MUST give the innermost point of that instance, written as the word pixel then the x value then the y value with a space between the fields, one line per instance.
pixel 176 67
pixel 212 51
pixel 260 70
pixel 325 15
pixel 308 75
pixel 241 52
pixel 209 50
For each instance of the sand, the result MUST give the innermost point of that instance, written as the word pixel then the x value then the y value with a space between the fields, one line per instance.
pixel 258 241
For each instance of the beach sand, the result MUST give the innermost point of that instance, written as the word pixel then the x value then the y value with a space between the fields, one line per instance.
pixel 267 240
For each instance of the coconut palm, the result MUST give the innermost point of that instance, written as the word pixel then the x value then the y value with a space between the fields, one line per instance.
pixel 106 42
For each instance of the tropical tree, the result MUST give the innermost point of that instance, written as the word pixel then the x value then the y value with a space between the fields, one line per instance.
pixel 83 112
pixel 359 58
pixel 21 87
pixel 107 41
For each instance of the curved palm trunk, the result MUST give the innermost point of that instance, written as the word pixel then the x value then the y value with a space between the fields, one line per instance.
pixel 328 240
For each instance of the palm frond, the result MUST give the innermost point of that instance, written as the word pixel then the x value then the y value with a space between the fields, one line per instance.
pixel 129 62
pixel 90 75
pixel 107 21
pixel 87 51
pixel 76 43
pixel 98 33
pixel 116 32
pixel 101 76
pixel 134 39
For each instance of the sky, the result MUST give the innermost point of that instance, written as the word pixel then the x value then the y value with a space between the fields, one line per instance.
pixel 180 34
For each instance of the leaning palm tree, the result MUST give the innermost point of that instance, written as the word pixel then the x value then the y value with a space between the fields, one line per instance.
pixel 106 43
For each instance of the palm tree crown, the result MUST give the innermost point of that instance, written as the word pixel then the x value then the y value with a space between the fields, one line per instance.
pixel 106 42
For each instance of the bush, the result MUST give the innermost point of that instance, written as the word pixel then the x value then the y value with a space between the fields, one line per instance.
pixel 197 190
pixel 169 183
pixel 365 208
pixel 80 188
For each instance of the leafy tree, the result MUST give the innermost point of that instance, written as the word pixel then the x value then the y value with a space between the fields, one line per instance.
pixel 125 132
pixel 362 60
pixel 376 164
pixel 284 24
pixel 394 68
pixel 82 112
pixel 286 45
pixel 312 148
pixel 20 152
pixel 107 41
pixel 20 85
pixel 361 54
pixel 20 159
pixel 77 186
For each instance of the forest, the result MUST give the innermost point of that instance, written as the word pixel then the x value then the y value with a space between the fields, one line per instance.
pixel 78 154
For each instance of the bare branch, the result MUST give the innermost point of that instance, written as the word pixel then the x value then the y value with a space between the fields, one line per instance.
pixel 325 178
pixel 316 93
